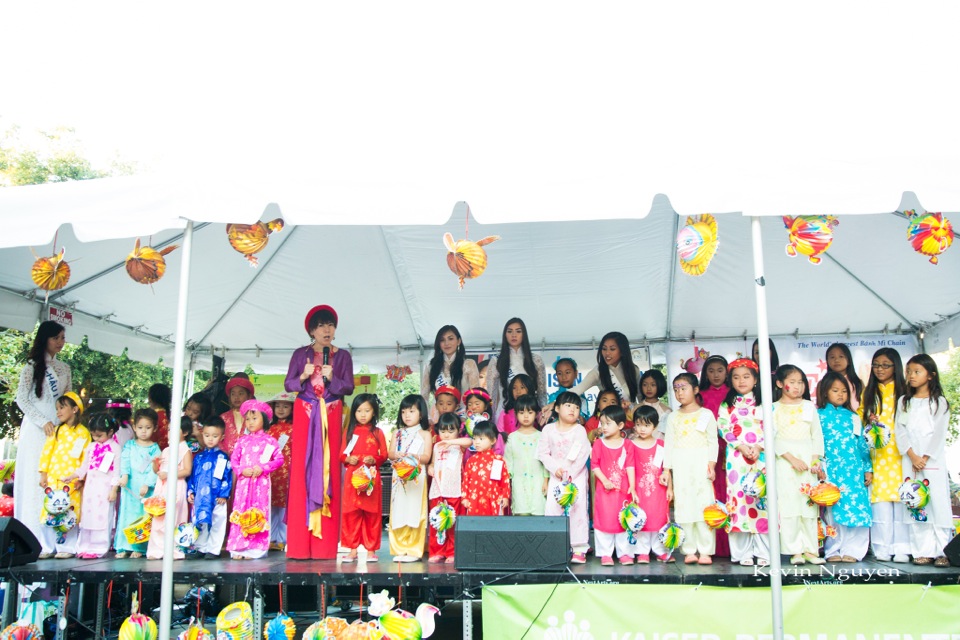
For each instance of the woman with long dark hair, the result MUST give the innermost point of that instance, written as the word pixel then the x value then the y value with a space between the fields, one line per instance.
pixel 449 366
pixel 615 370
pixel 515 357
pixel 42 381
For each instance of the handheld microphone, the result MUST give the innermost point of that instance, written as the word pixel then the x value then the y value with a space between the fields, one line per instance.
pixel 326 355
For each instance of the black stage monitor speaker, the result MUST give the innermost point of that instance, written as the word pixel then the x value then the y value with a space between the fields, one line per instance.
pixel 18 545
pixel 511 543
pixel 952 551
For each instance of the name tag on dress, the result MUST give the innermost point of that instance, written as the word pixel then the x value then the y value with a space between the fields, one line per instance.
pixel 623 458
pixel 574 451
pixel 658 457
pixel 857 426
pixel 702 423
pixel 220 468
pixel 282 441
pixel 349 448
pixel 267 453
pixel 496 470
pixel 106 462
pixel 77 450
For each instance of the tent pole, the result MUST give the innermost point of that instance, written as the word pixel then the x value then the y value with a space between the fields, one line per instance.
pixel 170 528
pixel 766 392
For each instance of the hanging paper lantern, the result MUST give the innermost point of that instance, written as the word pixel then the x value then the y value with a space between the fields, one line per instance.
pixel 138 627
pixel 50 274
pixel 442 517
pixel 362 479
pixel 21 631
pixel 251 521
pixel 186 536
pixel 7 467
pixel 915 494
pixel 139 530
pixel 280 628
pixel 824 494
pixel 406 468
pixel 825 531
pixel 930 233
pixel 235 622
pixel 146 265
pixel 397 624
pixel 326 629
pixel 156 506
pixel 877 434
pixel 250 239
pixel 754 484
pixel 195 632
pixel 716 515
pixel 809 235
pixel 566 494
pixel 671 536
pixel 632 519
pixel 397 373
pixel 695 364
pixel 697 243
pixel 466 258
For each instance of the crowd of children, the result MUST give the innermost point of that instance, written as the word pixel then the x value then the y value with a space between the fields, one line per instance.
pixel 464 457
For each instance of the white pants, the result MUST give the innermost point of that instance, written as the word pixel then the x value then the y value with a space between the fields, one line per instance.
pixel 928 540
pixel 211 536
pixel 95 541
pixel 278 525
pixel 252 554
pixel 798 535
pixel 49 544
pixel 849 541
pixel 699 537
pixel 605 544
pixel 647 542
pixel 748 545
pixel 890 534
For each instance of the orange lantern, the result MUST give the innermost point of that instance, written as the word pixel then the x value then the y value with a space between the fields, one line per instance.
pixel 146 265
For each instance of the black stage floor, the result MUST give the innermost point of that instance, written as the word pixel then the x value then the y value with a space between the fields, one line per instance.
pixel 276 568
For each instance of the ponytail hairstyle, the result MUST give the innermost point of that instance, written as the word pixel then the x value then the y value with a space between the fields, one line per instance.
pixel 38 352
pixel 160 395
pixel 933 383
pixel 102 422
pixel 693 382
pixel 436 362
pixel 872 398
pixel 824 385
pixel 626 363
pixel 851 371
pixel 503 360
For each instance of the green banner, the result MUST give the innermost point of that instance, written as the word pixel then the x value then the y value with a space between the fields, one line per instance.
pixel 672 612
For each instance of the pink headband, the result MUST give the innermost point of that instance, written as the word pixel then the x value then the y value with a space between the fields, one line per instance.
pixel 257 405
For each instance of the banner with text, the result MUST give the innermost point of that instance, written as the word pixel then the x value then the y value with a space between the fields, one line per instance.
pixel 810 354
pixel 672 612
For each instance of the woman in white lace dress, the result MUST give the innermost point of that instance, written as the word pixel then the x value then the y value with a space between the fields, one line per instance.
pixel 515 357
pixel 42 381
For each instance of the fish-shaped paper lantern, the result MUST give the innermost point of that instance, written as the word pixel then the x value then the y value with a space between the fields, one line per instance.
pixel 442 518
pixel 466 258
pixel 146 265
pixel 139 530
pixel 915 494
pixel 397 373
pixel 138 627
pixel 397 624
pixel 362 479
pixel 251 521
pixel 325 629
pixel 824 494
pixel 21 631
pixel 716 515
pixel 877 434
pixel 695 364
pixel 697 243
pixel 52 273
pixel 280 628
pixel 406 468
pixel 930 233
pixel 825 531
pixel 566 494
pixel 671 536
pixel 250 239
pixel 155 506
pixel 632 519
pixel 754 484
pixel 809 235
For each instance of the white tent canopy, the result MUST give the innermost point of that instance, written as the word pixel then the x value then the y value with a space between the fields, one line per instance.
pixel 571 281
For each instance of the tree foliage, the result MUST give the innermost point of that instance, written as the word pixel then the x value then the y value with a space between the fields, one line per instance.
pixel 950 380
pixel 45 156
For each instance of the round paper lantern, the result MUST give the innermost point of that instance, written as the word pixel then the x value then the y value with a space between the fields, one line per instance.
pixel 716 515
pixel 566 494
pixel 406 468
pixel 138 627
pixel 877 434
pixel 755 484
pixel 21 631
pixel 50 273
pixel 442 517
pixel 155 505
pixel 930 233
pixel 146 265
pixel 250 239
pixel 809 235
pixel 671 536
pixel 235 622
pixel 280 628
pixel 251 521
pixel 697 243
pixel 362 479
pixel 824 494
pixel 632 519
pixel 466 258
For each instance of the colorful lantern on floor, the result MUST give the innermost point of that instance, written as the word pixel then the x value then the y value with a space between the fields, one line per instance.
pixel 235 622
pixel 442 518
pixel 138 627
pixel 824 494
pixel 930 233
pixel 21 631
pixel 809 235
pixel 280 628
pixel 250 239
pixel 466 258
pixel 251 522
pixel 146 265
pixel 716 515
pixel 566 494
pixel 632 519
pixel 671 536
pixel 697 243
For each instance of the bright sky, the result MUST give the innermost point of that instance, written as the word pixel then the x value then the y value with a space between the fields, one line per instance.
pixel 509 105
